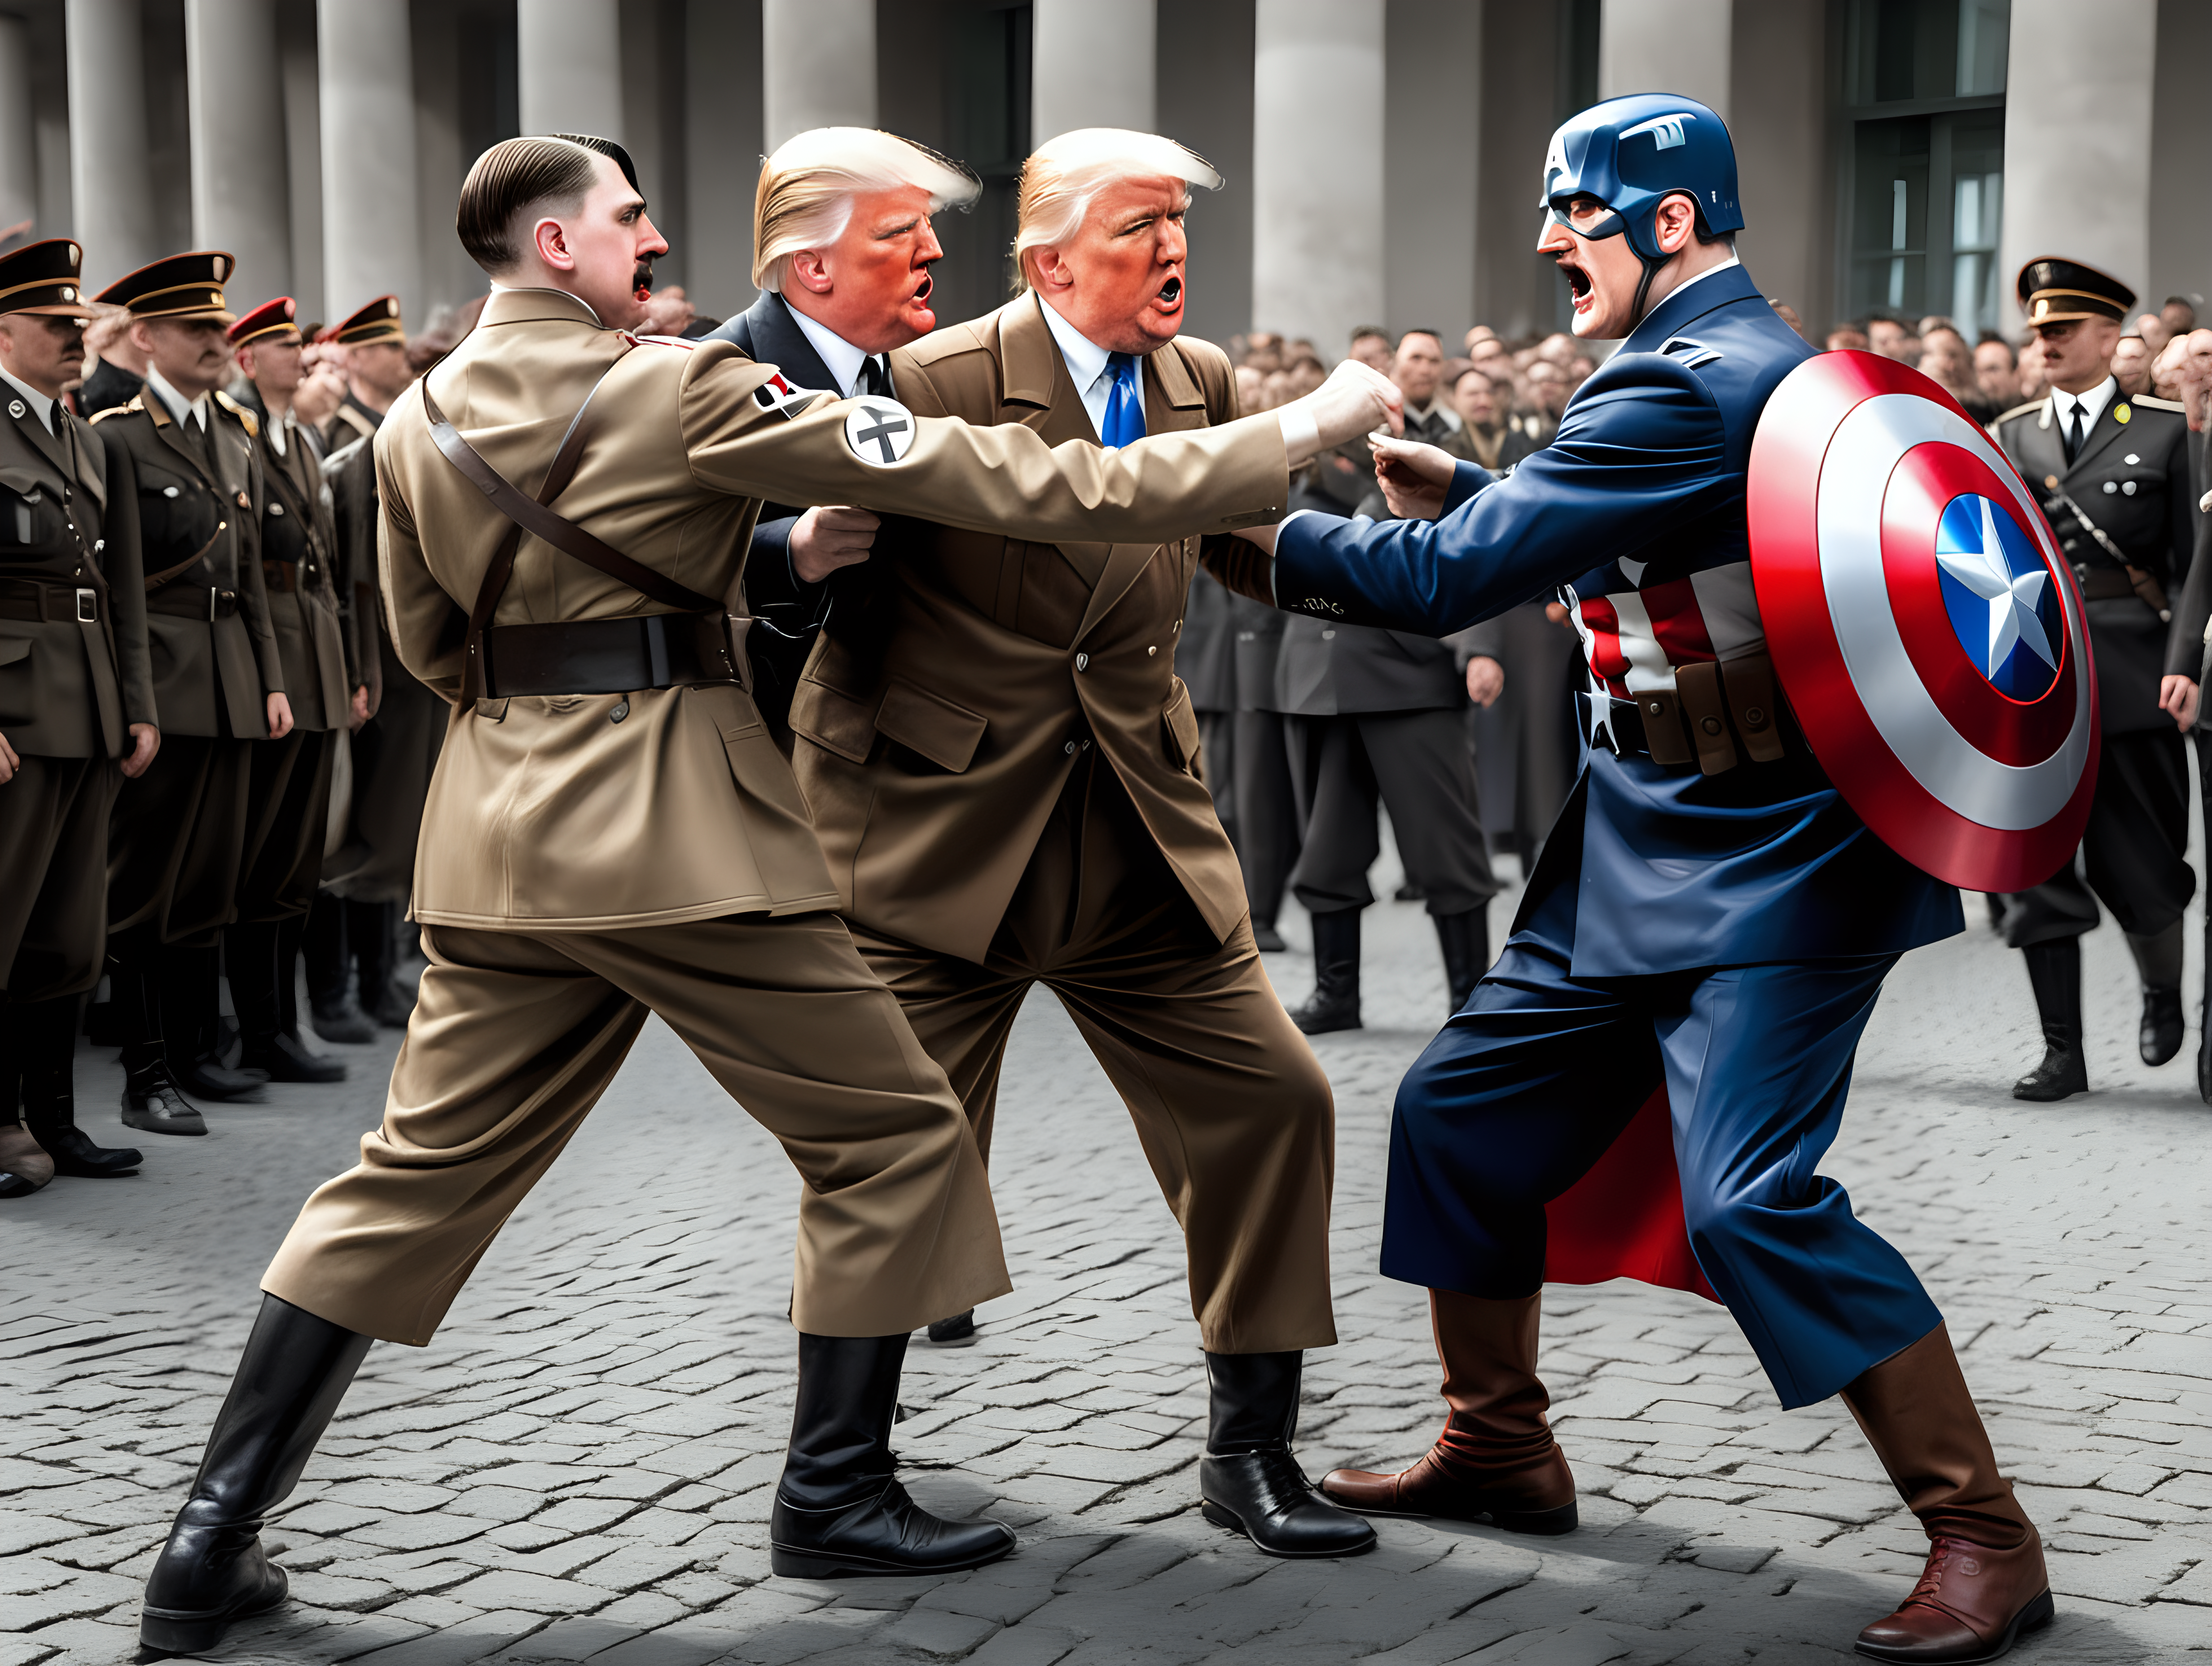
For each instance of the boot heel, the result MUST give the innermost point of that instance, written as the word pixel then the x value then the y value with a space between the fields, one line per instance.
pixel 1220 1517
pixel 2036 1615
pixel 1547 1523
pixel 798 1565
pixel 176 1634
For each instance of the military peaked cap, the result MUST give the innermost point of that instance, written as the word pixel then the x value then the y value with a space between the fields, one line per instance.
pixel 184 286
pixel 378 321
pixel 272 317
pixel 2052 291
pixel 42 277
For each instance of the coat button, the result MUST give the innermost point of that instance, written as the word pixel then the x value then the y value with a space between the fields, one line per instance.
pixel 1328 635
pixel 1655 708
pixel 1709 725
pixel 1754 717
pixel 1082 662
pixel 2111 486
pixel 1149 652
pixel 621 711
pixel 276 509
pixel 2127 488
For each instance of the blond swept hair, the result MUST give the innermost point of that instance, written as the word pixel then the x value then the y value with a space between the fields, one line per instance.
pixel 805 200
pixel 1063 174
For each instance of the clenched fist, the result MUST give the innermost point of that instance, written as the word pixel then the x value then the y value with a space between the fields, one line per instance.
pixel 828 538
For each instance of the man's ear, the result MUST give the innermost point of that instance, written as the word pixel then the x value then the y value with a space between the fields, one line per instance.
pixel 551 243
pixel 1051 271
pixel 142 335
pixel 812 272
pixel 1678 224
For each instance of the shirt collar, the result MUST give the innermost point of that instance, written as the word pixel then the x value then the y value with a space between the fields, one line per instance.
pixel 1086 360
pixel 179 407
pixel 839 356
pixel 2093 405
pixel 1700 277
pixel 41 406
pixel 1436 407
pixel 547 289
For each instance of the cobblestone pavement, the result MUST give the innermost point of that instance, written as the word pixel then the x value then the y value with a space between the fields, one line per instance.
pixel 580 1467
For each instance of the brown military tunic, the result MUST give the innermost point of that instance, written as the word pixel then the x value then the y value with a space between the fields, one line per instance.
pixel 74 675
pixel 1005 774
pixel 191 499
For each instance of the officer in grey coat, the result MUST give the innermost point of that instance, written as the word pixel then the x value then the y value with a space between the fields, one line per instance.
pixel 2112 474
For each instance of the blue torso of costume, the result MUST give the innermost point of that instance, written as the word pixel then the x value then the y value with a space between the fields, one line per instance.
pixel 1636 508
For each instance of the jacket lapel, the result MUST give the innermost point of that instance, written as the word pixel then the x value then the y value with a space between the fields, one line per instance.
pixel 44 443
pixel 778 340
pixel 2043 457
pixel 2106 429
pixel 173 436
pixel 1173 401
pixel 1042 396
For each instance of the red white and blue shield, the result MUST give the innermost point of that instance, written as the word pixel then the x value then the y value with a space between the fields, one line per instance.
pixel 1923 622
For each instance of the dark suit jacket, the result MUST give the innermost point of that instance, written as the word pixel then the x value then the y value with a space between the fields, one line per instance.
pixel 2132 479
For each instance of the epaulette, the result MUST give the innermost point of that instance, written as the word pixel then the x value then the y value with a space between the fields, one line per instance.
pixel 2027 409
pixel 685 342
pixel 2148 402
pixel 244 413
pixel 137 402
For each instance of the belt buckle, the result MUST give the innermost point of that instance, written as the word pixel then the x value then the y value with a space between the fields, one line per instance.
pixel 88 606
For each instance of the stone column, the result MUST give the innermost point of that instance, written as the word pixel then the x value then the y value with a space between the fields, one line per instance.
pixel 817 65
pixel 1317 180
pixel 111 175
pixel 1666 46
pixel 1432 134
pixel 240 200
pixel 1091 65
pixel 569 53
pixel 19 133
pixel 372 242
pixel 2077 152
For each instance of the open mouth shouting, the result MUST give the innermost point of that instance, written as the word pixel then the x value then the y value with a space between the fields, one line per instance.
pixel 921 297
pixel 1578 284
pixel 641 282
pixel 1168 300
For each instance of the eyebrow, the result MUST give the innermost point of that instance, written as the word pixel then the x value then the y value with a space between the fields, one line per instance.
pixel 906 224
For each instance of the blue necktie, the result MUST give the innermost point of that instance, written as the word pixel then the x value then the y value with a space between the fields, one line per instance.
pixel 1125 403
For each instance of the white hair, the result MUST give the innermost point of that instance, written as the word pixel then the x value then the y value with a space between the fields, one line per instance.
pixel 805 200
pixel 1063 175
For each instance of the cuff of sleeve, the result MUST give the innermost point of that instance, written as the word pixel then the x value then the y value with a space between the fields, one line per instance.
pixel 1467 480
pixel 1299 533
pixel 1301 433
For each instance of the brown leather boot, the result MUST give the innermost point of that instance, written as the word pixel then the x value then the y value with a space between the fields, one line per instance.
pixel 1496 1460
pixel 1985 1583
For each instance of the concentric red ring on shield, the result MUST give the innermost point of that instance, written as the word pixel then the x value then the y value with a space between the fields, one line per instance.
pixel 1932 642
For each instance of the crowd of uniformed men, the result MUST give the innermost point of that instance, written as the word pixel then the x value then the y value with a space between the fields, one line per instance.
pixel 213 767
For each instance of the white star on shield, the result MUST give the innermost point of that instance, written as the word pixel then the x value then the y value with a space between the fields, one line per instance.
pixel 2011 598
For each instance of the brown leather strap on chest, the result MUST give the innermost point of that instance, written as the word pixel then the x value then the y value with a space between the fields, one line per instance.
pixel 532 516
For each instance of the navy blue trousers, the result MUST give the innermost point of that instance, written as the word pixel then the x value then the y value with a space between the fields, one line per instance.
pixel 1531 1082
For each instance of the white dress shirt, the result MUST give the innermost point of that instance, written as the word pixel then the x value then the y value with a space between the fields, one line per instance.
pixel 179 407
pixel 41 406
pixel 1090 366
pixel 2092 405
pixel 839 357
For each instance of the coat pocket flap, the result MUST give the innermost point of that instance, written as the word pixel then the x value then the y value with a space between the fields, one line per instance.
pixel 1181 723
pixel 13 648
pixel 941 732
pixel 835 722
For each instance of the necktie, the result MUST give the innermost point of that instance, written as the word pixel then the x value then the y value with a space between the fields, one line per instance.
pixel 1125 407
pixel 875 378
pixel 2073 435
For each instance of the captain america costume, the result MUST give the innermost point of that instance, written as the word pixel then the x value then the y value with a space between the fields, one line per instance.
pixel 1701 948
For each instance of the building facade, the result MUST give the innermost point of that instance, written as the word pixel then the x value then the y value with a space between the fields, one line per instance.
pixel 1381 156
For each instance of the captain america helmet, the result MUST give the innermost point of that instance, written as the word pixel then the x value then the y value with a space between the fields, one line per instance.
pixel 1631 152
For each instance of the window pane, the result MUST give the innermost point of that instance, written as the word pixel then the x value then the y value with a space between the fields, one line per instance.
pixel 1985 36
pixel 1889 219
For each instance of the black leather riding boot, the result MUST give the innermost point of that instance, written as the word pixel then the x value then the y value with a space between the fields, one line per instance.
pixel 2054 971
pixel 1248 1480
pixel 212 1572
pixel 191 1017
pixel 45 1040
pixel 1466 941
pixel 152 1100
pixel 2157 958
pixel 335 1013
pixel 839 1508
pixel 1335 1002
pixel 258 972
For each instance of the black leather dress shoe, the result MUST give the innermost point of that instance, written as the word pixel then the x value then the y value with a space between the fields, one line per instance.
pixel 1335 1001
pixel 211 1078
pixel 2163 1026
pixel 957 1329
pixel 75 1154
pixel 1267 940
pixel 1265 1496
pixel 282 1059
pixel 2062 1073
pixel 342 1020
pixel 153 1104
pixel 886 1534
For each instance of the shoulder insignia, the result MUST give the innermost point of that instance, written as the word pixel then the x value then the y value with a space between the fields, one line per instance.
pixel 1693 354
pixel 244 413
pixel 880 431
pixel 99 416
pixel 2144 402
pixel 780 396
pixel 684 341
pixel 2027 409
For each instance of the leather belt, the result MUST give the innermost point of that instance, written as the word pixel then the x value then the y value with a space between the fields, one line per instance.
pixel 2105 584
pixel 193 601
pixel 40 601
pixel 1714 716
pixel 616 656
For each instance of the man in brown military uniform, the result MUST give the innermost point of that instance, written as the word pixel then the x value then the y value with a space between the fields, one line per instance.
pixel 611 833
pixel 75 696
pixel 1005 771
pixel 183 485
pixel 288 798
